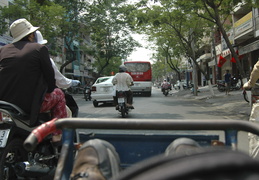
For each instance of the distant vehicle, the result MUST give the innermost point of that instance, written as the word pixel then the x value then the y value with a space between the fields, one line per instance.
pixel 87 93
pixel 102 90
pixel 235 84
pixel 141 72
pixel 184 84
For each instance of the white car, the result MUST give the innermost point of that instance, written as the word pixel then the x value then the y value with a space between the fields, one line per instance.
pixel 102 90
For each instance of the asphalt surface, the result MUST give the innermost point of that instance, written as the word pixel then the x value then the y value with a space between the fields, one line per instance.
pixel 233 102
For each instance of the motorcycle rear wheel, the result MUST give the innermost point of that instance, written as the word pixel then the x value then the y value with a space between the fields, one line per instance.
pixel 123 111
pixel 11 154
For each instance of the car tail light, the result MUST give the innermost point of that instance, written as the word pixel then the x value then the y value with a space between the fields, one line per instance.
pixel 93 88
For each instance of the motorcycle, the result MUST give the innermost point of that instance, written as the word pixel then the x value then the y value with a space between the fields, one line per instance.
pixel 166 91
pixel 15 161
pixel 122 103
pixel 87 93
pixel 235 84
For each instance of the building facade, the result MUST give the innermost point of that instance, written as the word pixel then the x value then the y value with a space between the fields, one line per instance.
pixel 244 36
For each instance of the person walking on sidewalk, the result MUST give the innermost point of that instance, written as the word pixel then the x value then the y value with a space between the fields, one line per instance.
pixel 227 77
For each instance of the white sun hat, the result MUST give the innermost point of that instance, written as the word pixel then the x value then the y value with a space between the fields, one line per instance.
pixel 21 28
pixel 39 38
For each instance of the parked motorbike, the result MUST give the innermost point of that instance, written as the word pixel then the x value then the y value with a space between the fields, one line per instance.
pixel 122 103
pixel 15 161
pixel 235 84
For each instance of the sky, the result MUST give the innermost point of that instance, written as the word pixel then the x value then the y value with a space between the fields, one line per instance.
pixel 141 54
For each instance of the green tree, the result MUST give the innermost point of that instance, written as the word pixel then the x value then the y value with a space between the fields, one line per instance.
pixel 216 12
pixel 170 55
pixel 72 29
pixel 182 30
pixel 47 15
pixel 109 32
pixel 58 19
pixel 159 69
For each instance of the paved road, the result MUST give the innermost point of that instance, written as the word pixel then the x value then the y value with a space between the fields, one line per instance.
pixel 160 107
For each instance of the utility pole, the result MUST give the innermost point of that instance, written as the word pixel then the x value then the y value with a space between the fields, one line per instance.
pixel 195 78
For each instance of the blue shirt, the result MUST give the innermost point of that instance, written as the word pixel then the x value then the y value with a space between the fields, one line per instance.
pixel 227 77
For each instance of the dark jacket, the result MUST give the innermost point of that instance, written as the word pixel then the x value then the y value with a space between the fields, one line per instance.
pixel 25 74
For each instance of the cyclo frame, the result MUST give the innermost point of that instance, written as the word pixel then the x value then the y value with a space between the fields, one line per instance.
pixel 68 125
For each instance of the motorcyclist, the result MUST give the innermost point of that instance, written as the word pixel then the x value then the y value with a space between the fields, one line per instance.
pixel 61 80
pixel 26 74
pixel 165 85
pixel 122 82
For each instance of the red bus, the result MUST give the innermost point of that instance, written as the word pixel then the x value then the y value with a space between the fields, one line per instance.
pixel 141 72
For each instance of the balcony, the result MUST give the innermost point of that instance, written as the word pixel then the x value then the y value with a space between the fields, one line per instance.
pixel 243 29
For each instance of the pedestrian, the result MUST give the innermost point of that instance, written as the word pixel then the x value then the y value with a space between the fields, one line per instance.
pixel 27 77
pixel 122 82
pixel 227 77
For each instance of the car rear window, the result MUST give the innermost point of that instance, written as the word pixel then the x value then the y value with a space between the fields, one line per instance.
pixel 100 80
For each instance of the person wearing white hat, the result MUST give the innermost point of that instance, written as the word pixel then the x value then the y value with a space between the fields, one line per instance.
pixel 26 74
pixel 61 80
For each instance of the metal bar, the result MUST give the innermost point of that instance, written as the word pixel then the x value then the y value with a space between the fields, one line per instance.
pixel 65 163
pixel 68 138
pixel 158 124
pixel 62 162
pixel 231 138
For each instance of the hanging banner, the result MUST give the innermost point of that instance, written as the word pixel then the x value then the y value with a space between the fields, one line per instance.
pixel 221 61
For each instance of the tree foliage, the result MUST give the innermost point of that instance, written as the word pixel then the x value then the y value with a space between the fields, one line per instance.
pixel 67 24
pixel 174 31
pixel 217 12
pixel 109 32
pixel 46 14
pixel 189 20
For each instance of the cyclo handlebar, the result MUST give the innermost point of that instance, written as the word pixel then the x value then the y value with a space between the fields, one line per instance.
pixel 136 124
pixel 38 134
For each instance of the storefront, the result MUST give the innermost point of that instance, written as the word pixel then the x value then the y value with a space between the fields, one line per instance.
pixel 251 54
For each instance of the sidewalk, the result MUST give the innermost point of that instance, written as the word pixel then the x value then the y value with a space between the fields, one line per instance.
pixel 233 102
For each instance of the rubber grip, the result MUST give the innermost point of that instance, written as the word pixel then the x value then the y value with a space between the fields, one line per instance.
pixel 38 134
pixel 30 143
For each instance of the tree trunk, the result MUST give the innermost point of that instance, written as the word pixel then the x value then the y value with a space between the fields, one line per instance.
pixel 224 34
